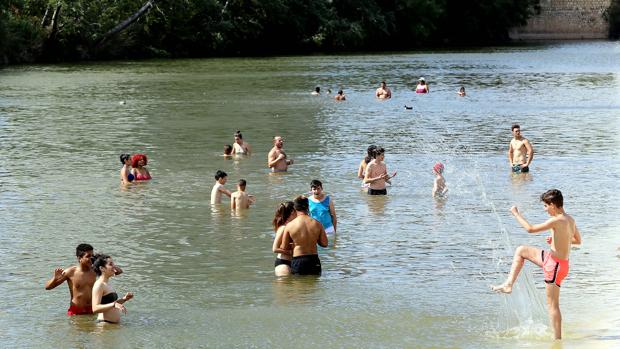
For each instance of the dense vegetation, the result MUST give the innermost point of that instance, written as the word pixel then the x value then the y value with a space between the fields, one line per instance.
pixel 60 30
pixel 613 16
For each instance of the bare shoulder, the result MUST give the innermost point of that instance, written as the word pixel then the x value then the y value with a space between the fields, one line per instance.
pixel 69 272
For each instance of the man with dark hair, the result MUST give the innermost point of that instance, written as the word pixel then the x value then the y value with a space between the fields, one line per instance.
pixel 304 233
pixel 383 92
pixel 218 188
pixel 80 279
pixel 520 151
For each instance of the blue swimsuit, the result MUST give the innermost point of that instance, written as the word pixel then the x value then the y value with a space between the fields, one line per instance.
pixel 320 212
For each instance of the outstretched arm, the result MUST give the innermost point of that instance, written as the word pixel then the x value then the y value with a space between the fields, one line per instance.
pixel 59 277
pixel 537 228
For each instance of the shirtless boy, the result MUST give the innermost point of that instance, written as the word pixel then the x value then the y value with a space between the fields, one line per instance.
pixel 520 151
pixel 376 174
pixel 218 188
pixel 564 234
pixel 241 199
pixel 80 279
pixel 305 233
pixel 383 92
pixel 276 159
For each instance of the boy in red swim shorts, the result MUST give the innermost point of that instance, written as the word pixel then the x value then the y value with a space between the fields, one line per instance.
pixel 554 262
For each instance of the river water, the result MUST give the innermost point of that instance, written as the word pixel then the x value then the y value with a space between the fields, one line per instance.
pixel 405 271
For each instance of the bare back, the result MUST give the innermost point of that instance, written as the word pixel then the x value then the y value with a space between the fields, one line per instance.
pixel 305 233
pixel 240 200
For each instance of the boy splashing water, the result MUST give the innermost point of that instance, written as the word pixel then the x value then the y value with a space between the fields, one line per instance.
pixel 554 262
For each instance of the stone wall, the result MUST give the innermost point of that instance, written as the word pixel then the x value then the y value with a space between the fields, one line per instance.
pixel 566 20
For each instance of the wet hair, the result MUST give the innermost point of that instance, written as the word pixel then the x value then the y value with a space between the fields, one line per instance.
pixel 228 149
pixel 340 92
pixel 301 204
pixel 125 157
pixel 135 158
pixel 515 126
pixel 462 89
pixel 370 153
pixel 242 183
pixel 283 212
pixel 220 174
pixel 315 183
pixel 383 82
pixel 99 260
pixel 553 196
pixel 378 151
pixel 238 134
pixel 317 89
pixel 81 249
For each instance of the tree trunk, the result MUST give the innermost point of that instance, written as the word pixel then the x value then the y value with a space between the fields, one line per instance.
pixel 47 10
pixel 54 24
pixel 126 23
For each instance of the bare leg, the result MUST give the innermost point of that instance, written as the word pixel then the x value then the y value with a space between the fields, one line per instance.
pixel 522 253
pixel 553 303
pixel 283 270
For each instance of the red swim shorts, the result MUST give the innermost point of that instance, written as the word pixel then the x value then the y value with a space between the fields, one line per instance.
pixel 555 269
pixel 75 310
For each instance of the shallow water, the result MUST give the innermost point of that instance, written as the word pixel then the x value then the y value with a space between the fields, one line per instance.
pixel 404 271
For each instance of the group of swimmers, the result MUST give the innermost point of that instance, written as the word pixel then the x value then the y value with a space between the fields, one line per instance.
pixel 134 168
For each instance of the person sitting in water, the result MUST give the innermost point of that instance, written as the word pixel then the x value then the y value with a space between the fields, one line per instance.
pixel 340 96
pixel 462 91
pixel 240 147
pixel 322 207
pixel 126 176
pixel 439 185
pixel 361 170
pixel 227 151
pixel 317 91
pixel 383 92
pixel 240 199
pixel 422 86
pixel 105 299
pixel 140 173
pixel 218 188
pixel 284 214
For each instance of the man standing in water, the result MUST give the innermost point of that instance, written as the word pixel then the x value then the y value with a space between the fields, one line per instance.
pixel 564 234
pixel 304 233
pixel 276 160
pixel 520 151
pixel 383 92
pixel 80 279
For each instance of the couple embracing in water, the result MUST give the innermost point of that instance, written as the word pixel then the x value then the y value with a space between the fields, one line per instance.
pixel 134 168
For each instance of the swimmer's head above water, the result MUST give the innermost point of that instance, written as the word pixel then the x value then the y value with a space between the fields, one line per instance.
pixel 438 168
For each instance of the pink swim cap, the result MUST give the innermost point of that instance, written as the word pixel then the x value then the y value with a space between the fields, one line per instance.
pixel 438 167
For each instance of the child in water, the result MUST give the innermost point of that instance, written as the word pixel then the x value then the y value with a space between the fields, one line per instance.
pixel 439 186
pixel 227 151
pixel 564 234
pixel 462 91
pixel 216 193
pixel 240 199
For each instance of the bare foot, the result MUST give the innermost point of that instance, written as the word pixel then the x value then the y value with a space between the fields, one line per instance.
pixel 503 288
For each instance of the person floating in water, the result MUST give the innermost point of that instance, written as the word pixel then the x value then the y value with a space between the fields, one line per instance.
pixel 564 234
pixel 383 92
pixel 322 207
pixel 105 300
pixel 376 174
pixel 422 86
pixel 284 214
pixel 462 91
pixel 139 171
pixel 520 151
pixel 126 176
pixel 277 159
pixel 218 188
pixel 439 185
pixel 240 147
pixel 316 92
pixel 240 199
pixel 340 96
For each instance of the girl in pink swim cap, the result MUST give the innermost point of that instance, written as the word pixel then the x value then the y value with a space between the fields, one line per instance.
pixel 439 186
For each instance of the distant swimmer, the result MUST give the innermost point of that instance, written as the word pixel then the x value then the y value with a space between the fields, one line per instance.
pixel 376 174
pixel 462 91
pixel 240 147
pixel 564 234
pixel 284 214
pixel 218 188
pixel 304 233
pixel 340 96
pixel 322 207
pixel 383 92
pixel 240 199
pixel 316 92
pixel 277 159
pixel 439 186
pixel 126 176
pixel 361 170
pixel 227 151
pixel 139 171
pixel 422 86
pixel 105 300
pixel 520 151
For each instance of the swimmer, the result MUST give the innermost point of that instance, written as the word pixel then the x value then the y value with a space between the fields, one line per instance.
pixel 439 186
pixel 376 174
pixel 316 92
pixel 383 92
pixel 277 159
pixel 218 188
pixel 227 151
pixel 80 279
pixel 140 173
pixel 340 96
pixel 284 214
pixel 126 175
pixel 322 207
pixel 361 170
pixel 520 151
pixel 105 299
pixel 564 234
pixel 304 233
pixel 240 147
pixel 462 91
pixel 422 86
pixel 240 199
